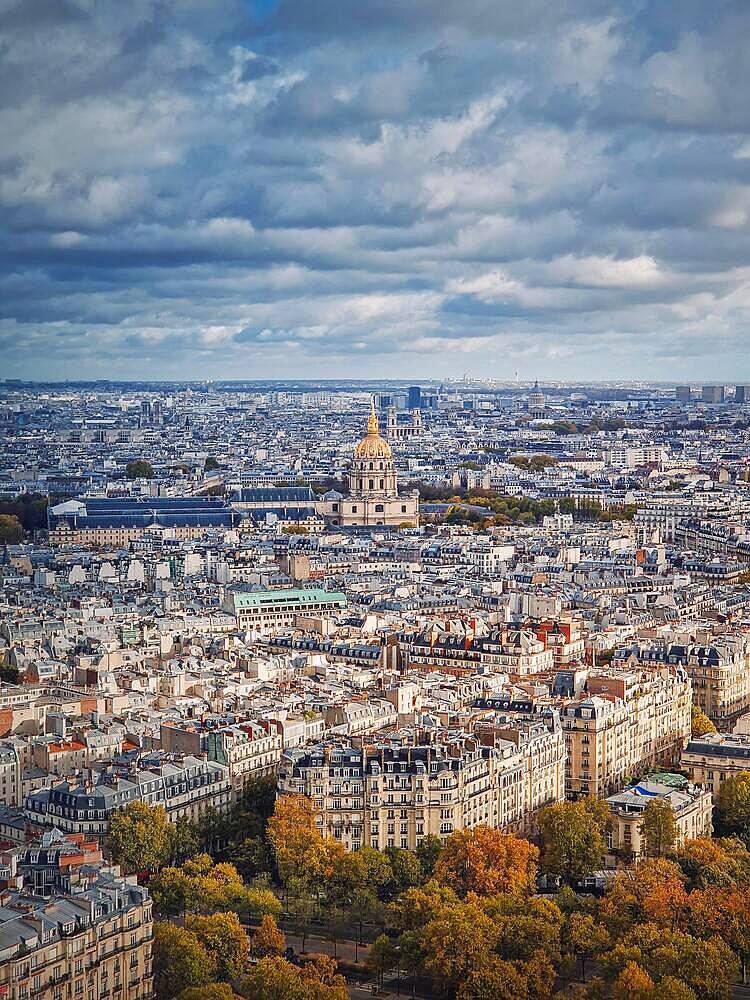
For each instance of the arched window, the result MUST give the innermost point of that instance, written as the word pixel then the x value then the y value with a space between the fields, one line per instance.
pixel 379 508
pixel 372 484
pixel 371 465
pixel 403 508
pixel 381 484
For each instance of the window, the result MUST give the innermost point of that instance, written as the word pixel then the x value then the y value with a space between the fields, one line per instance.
pixel 379 508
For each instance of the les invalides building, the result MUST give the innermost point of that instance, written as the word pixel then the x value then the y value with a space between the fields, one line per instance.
pixel 373 496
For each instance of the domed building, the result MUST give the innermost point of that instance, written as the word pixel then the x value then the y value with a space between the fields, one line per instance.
pixel 372 497
pixel 537 403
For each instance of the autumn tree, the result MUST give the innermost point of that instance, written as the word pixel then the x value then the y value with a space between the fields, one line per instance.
pixel 633 983
pixel 139 837
pixel 700 724
pixel 417 906
pixel 222 936
pixel 212 991
pixel 487 861
pixel 494 979
pixel 267 939
pixel 460 938
pixel 573 838
pixel 733 806
pixel 297 844
pixel 585 938
pixel 526 926
pixel 180 961
pixel 274 978
pixel 200 886
pixel 659 828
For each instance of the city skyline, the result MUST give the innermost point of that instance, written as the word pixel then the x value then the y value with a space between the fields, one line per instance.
pixel 243 190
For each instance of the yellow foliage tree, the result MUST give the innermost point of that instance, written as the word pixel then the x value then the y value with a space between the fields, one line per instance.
pixel 487 862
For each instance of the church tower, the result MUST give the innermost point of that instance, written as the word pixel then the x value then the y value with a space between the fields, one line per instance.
pixel 372 471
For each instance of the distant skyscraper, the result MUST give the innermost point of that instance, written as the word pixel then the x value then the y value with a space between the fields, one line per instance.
pixel 415 397
pixel 713 393
pixel 742 394
pixel 683 394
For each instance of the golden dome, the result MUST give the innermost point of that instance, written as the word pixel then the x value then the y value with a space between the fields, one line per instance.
pixel 373 445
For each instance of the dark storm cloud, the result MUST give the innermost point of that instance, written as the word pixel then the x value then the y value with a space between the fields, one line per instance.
pixel 338 188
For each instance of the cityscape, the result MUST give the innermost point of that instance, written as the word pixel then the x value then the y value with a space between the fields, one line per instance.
pixel 374 500
pixel 436 689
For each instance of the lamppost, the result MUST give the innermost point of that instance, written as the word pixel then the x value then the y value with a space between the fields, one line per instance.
pixel 397 949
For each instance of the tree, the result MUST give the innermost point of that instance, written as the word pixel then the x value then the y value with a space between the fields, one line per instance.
pixel 139 469
pixel 268 939
pixel 222 936
pixel 11 531
pixel 275 979
pixel 526 926
pixel 406 868
pixel 180 961
pixel 182 841
pixel 659 828
pixel 419 905
pixel 494 979
pixel 428 851
pixel 381 956
pixel 700 723
pixel 585 938
pixel 211 464
pixel 212 991
pixel 633 983
pixel 459 939
pixel 250 857
pixel 200 886
pixel 301 907
pixel 349 870
pixel 573 839
pixel 487 861
pixel 139 837
pixel 298 845
pixel 365 907
pixel 733 806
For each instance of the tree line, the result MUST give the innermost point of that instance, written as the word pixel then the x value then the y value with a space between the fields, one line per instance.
pixel 462 917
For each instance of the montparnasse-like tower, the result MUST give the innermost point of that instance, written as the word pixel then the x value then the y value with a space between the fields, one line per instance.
pixel 372 472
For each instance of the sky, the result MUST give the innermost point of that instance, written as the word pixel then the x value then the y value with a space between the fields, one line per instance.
pixel 375 188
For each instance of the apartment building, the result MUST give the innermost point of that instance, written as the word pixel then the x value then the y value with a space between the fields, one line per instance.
pixel 517 652
pixel 711 759
pixel 691 804
pixel 394 792
pixel 93 944
pixel 719 668
pixel 615 722
pixel 186 786
pixel 247 749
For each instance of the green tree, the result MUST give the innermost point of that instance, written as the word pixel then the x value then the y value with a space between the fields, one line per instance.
pixel 733 806
pixel 573 839
pixel 428 852
pixel 11 531
pixel 180 961
pixel 381 956
pixel 182 841
pixel 139 469
pixel 211 464
pixel 139 837
pixel 224 938
pixel 659 828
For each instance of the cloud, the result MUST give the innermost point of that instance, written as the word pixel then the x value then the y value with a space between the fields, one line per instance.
pixel 202 188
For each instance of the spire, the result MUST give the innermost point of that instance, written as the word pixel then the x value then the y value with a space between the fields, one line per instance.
pixel 372 420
